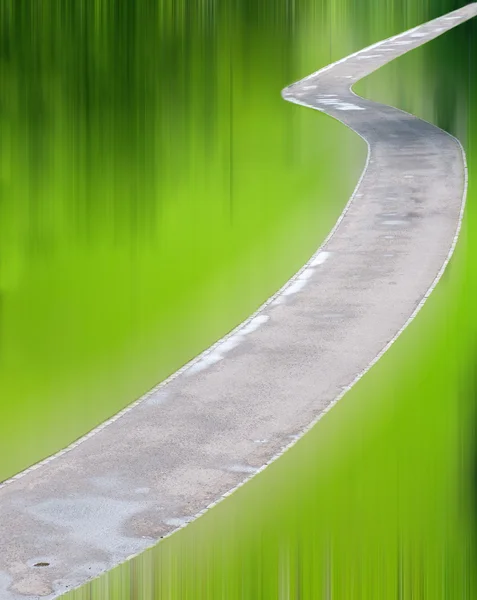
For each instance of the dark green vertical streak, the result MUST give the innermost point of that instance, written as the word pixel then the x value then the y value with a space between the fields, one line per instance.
pixel 231 141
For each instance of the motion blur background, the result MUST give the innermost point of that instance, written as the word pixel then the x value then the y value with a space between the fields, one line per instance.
pixel 154 190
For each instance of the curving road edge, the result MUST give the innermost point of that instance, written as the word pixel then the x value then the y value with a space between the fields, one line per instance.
pixel 223 417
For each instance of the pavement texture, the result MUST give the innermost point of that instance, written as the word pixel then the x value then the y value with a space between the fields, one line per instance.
pixel 226 415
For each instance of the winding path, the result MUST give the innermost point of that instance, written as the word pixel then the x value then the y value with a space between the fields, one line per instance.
pixel 231 411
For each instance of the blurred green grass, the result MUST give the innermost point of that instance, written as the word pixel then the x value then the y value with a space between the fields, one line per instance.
pixel 156 190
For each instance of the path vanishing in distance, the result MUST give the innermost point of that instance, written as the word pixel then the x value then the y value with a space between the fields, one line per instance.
pixel 220 419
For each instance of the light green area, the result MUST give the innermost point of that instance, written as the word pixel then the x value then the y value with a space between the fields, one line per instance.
pixel 378 500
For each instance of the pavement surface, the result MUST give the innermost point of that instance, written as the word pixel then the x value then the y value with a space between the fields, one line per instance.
pixel 218 421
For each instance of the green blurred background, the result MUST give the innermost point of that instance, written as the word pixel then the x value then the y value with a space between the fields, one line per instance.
pixel 155 190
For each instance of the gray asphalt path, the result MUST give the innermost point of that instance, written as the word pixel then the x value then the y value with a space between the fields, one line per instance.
pixel 225 416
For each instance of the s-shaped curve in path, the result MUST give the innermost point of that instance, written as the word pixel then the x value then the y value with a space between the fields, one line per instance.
pixel 229 413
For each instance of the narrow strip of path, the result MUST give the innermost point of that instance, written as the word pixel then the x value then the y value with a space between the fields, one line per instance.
pixel 230 412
